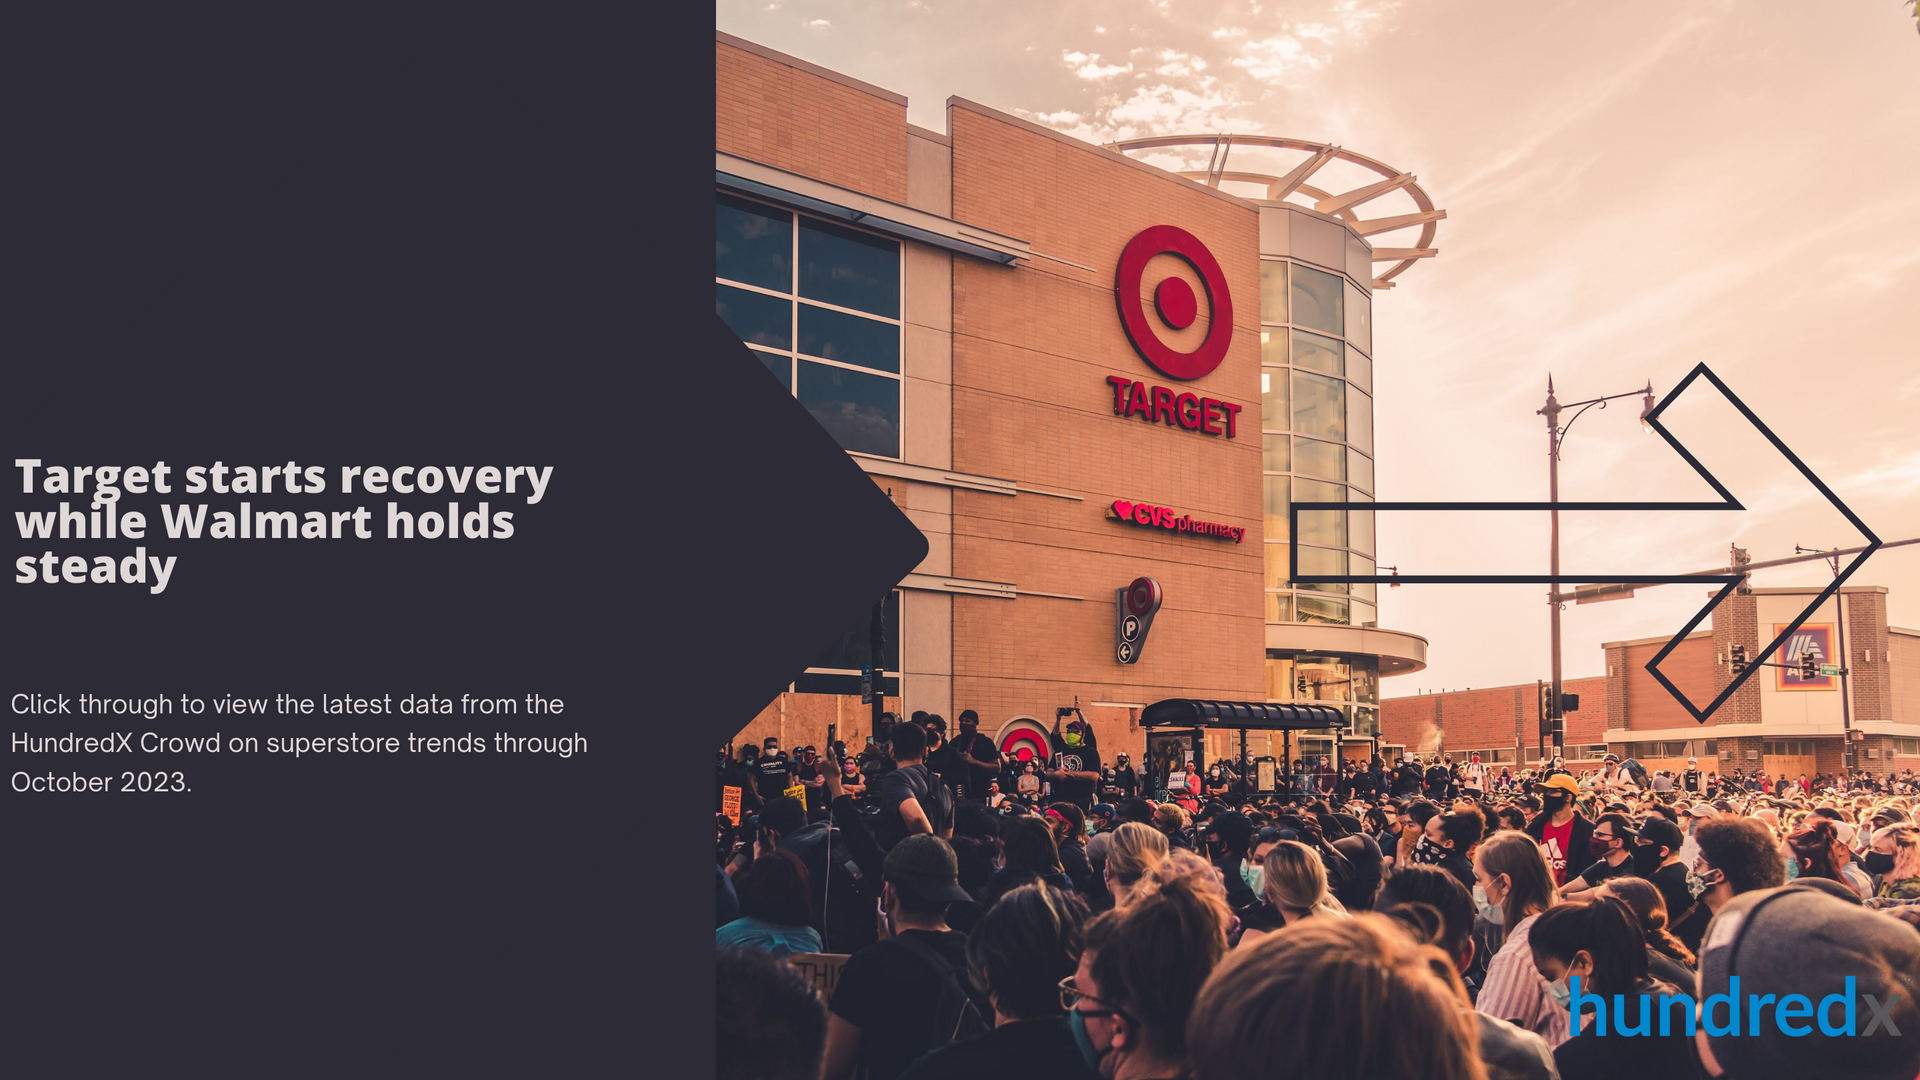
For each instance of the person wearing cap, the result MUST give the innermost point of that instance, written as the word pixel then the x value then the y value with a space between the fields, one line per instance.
pixel 1799 941
pixel 1693 782
pixel 978 754
pixel 1560 829
pixel 1690 819
pixel 1656 858
pixel 883 1004
pixel 1228 839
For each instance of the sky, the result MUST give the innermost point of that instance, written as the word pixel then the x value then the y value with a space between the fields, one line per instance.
pixel 1632 189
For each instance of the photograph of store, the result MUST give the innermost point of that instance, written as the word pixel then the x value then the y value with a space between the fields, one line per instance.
pixel 1073 368
pixel 1861 713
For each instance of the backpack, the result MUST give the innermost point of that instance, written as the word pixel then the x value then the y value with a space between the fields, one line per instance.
pixel 955 1017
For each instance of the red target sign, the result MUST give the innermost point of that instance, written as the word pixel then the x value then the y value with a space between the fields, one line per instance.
pixel 1174 302
pixel 1025 740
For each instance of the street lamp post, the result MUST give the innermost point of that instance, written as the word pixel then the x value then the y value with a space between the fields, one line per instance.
pixel 1556 433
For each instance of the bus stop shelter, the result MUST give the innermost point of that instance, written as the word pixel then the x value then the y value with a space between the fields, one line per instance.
pixel 1175 725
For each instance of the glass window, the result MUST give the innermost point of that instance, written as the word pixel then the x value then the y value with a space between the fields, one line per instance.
pixel 855 647
pixel 1363 615
pixel 1316 301
pixel 849 339
pixel 1279 678
pixel 1359 525
pixel 1362 566
pixel 1273 454
pixel 862 411
pixel 849 269
pixel 1320 609
pixel 757 318
pixel 1359 421
pixel 1274 574
pixel 1273 346
pixel 1359 317
pixel 1276 507
pixel 1322 459
pixel 1359 369
pixel 1321 562
pixel 1319 406
pixel 1360 470
pixel 780 364
pixel 1279 607
pixel 1273 291
pixel 753 243
pixel 1327 528
pixel 1317 353
pixel 1273 399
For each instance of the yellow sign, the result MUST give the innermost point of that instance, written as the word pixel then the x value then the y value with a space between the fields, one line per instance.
pixel 797 791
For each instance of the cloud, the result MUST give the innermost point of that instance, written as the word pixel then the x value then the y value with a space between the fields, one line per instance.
pixel 1088 65
pixel 816 24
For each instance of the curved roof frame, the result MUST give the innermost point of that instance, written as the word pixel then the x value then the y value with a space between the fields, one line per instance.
pixel 1343 205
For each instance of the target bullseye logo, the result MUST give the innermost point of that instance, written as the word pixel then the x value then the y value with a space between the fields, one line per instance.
pixel 1174 302
pixel 1134 607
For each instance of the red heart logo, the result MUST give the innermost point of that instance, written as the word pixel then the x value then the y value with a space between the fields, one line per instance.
pixel 1123 508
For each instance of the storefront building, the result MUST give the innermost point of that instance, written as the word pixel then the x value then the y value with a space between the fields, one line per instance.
pixel 1071 369
pixel 1865 717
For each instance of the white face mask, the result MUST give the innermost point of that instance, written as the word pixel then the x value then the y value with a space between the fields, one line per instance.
pixel 1487 908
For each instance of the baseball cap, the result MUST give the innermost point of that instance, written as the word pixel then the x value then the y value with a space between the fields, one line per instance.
pixel 1693 761
pixel 1558 782
pixel 1103 810
pixel 1613 757
pixel 924 866
pixel 1661 832
pixel 1702 810
pixel 1799 940
pixel 1233 827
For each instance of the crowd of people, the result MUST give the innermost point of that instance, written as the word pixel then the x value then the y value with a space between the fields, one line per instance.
pixel 1472 925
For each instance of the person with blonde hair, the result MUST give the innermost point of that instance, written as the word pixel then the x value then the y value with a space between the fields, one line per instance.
pixel 1296 886
pixel 1512 871
pixel 1171 821
pixel 1896 852
pixel 1133 850
pixel 1332 999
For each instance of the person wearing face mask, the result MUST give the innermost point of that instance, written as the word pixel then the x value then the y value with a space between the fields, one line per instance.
pixel 1124 776
pixel 1600 944
pixel 1075 768
pixel 1450 836
pixel 979 757
pixel 1560 830
pixel 1611 841
pixel 1512 872
pixel 1016 956
pixel 1894 859
pixel 1656 858
pixel 1143 966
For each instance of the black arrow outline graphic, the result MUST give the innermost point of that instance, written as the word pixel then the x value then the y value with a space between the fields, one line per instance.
pixel 1729 581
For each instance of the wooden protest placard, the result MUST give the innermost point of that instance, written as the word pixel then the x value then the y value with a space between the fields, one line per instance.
pixel 822 969
pixel 730 803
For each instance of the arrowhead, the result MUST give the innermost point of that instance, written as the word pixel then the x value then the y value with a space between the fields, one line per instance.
pixel 1873 544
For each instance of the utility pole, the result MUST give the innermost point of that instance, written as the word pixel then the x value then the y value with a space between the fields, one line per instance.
pixel 1840 645
pixel 876 643
pixel 1555 434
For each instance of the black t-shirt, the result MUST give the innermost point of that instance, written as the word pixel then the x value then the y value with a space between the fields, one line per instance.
pixel 770 776
pixel 816 796
pixel 946 764
pixel 1127 781
pixel 908 782
pixel 1672 883
pixel 1082 758
pixel 1022 1050
pixel 1600 871
pixel 889 993
pixel 979 747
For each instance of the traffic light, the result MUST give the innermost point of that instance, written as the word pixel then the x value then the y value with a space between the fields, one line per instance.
pixel 1809 665
pixel 1569 703
pixel 1546 713
pixel 1737 656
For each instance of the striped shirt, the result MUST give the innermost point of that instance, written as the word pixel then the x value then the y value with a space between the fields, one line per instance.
pixel 1515 992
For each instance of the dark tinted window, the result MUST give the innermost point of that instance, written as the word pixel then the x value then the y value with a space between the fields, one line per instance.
pixel 780 364
pixel 849 339
pixel 753 243
pixel 849 269
pixel 850 653
pixel 759 319
pixel 861 411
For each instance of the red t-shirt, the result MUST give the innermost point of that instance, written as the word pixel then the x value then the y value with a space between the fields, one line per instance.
pixel 1555 838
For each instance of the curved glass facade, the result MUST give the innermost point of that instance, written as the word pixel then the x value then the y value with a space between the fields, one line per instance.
pixel 1316 409
pixel 1349 683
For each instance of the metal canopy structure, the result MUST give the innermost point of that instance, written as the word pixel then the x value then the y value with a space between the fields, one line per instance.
pixel 1240 715
pixel 1342 205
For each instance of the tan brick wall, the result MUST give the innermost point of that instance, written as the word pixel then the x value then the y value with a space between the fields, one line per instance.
pixel 1032 349
pixel 1490 717
pixel 1903 677
pixel 1691 667
pixel 802 719
pixel 792 119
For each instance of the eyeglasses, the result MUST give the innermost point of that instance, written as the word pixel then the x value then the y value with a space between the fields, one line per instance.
pixel 1071 996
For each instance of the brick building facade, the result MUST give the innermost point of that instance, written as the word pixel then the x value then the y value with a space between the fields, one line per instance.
pixel 996 425
pixel 1775 722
